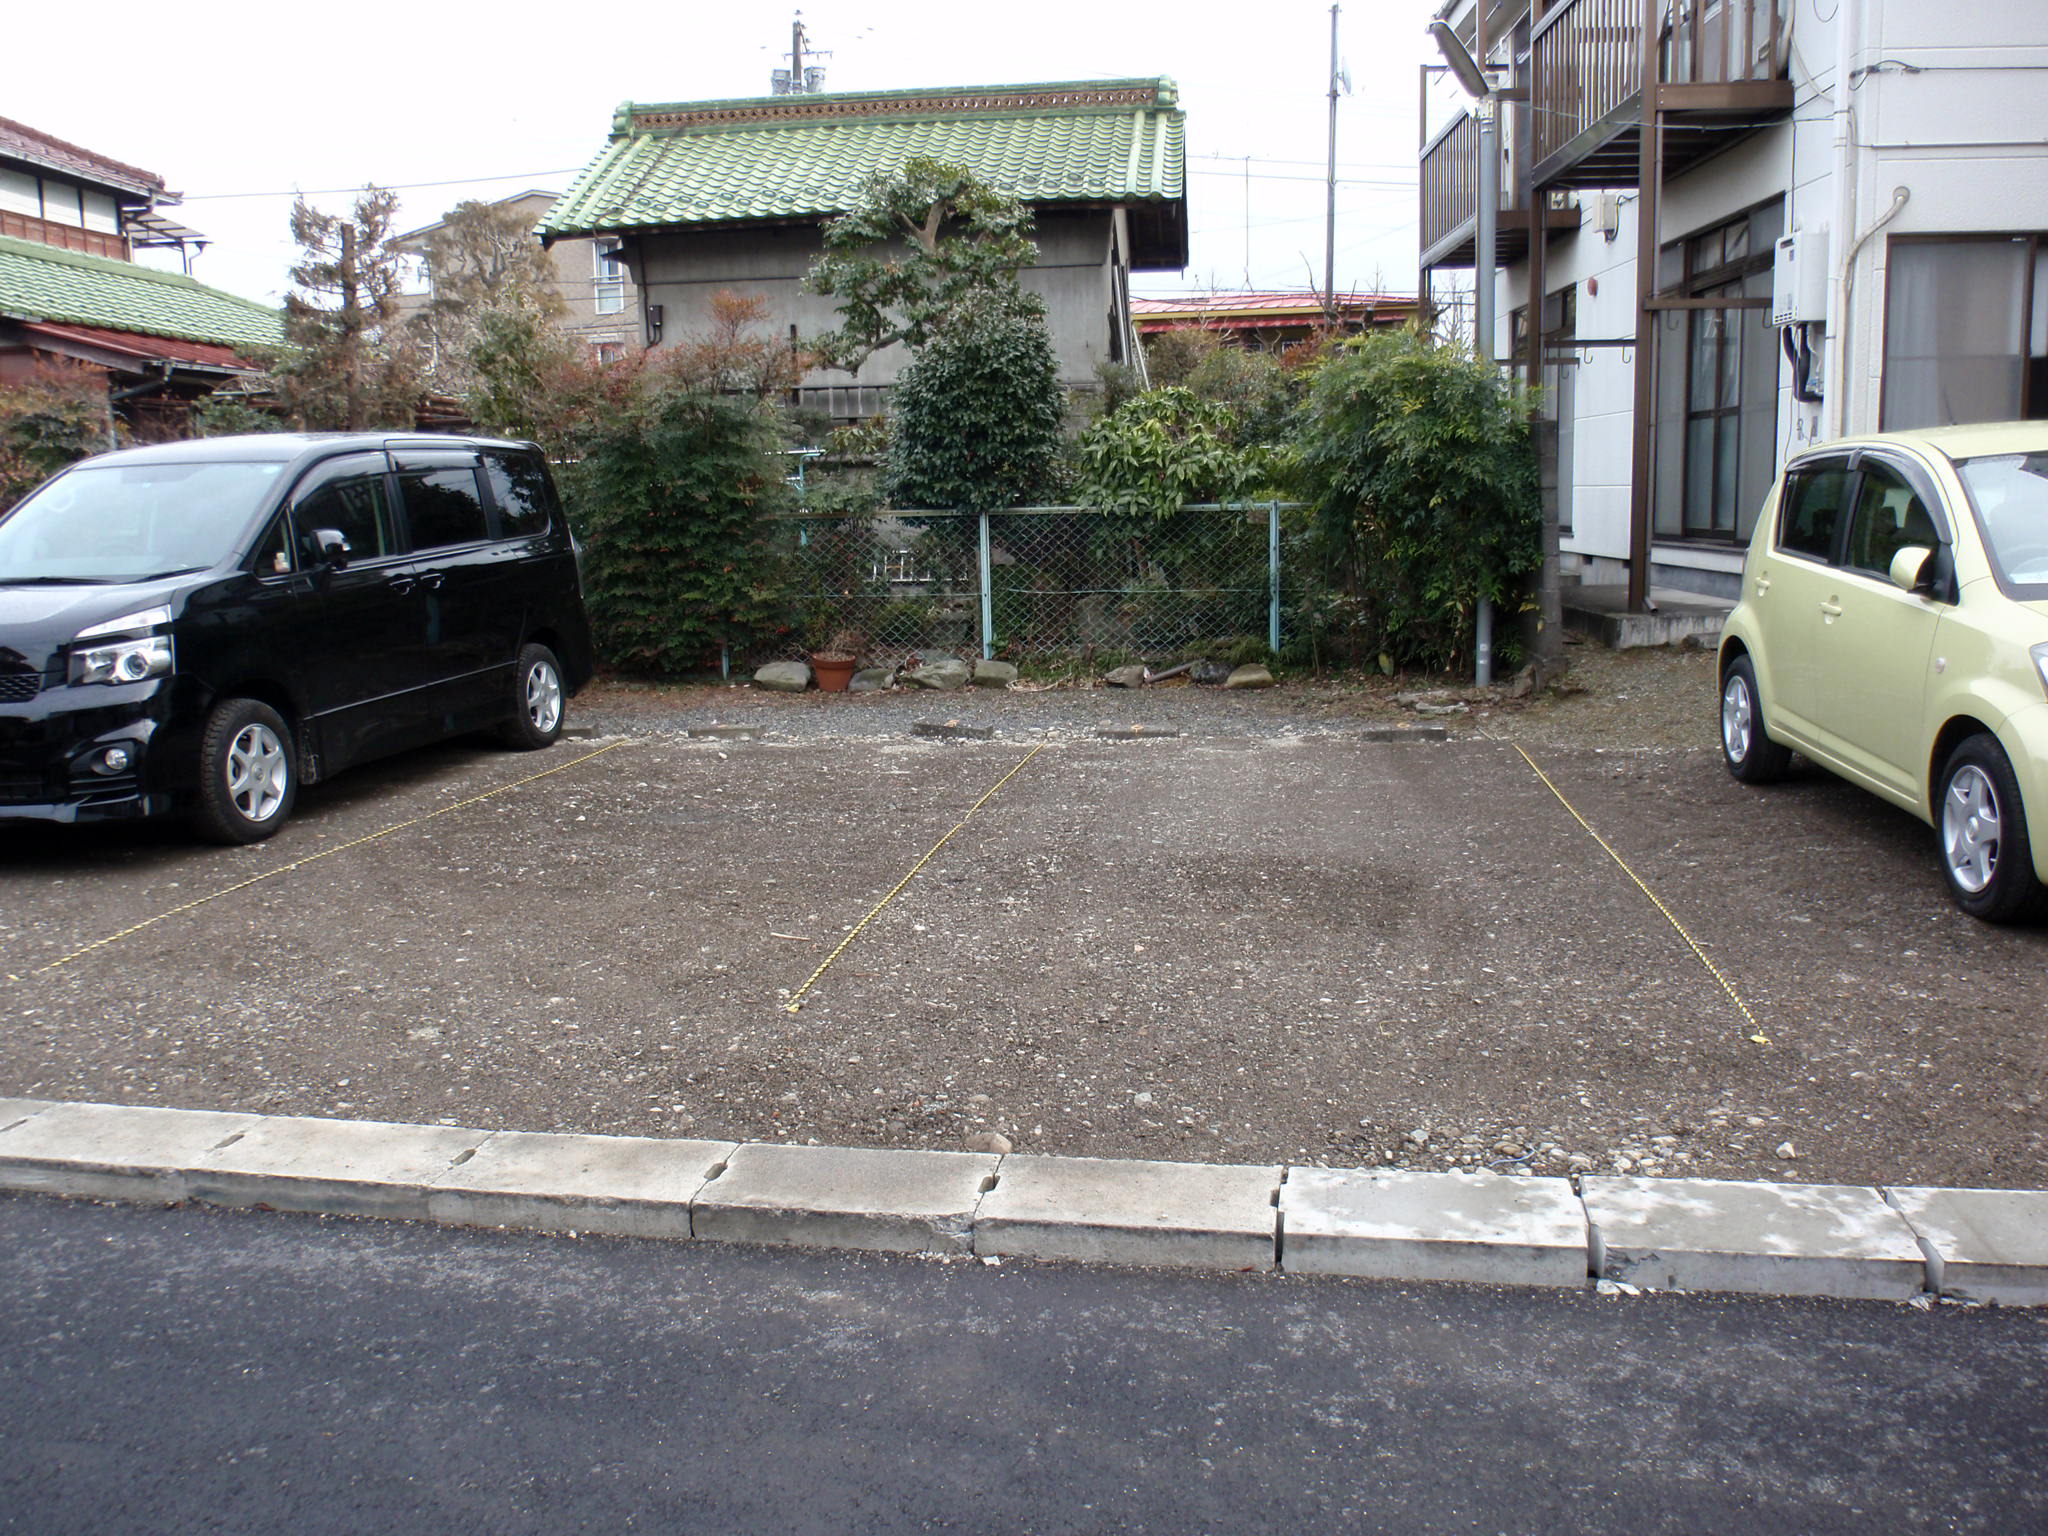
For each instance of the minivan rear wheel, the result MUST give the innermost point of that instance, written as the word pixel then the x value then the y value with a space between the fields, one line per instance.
pixel 248 778
pixel 539 702
pixel 1985 852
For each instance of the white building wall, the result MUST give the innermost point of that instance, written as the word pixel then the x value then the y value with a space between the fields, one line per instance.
pixel 1946 101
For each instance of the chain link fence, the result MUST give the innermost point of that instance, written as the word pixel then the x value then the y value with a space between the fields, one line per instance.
pixel 1036 584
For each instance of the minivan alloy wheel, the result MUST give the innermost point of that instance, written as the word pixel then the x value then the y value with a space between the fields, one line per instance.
pixel 258 771
pixel 543 696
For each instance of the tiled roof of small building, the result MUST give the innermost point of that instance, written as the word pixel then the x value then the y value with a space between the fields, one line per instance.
pixel 788 157
pixel 41 282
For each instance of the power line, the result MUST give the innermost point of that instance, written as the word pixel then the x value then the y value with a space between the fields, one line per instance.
pixel 395 186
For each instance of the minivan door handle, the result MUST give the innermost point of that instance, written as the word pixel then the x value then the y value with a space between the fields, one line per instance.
pixel 431 579
pixel 402 583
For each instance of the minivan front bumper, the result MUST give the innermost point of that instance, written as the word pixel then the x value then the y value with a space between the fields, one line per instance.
pixel 53 763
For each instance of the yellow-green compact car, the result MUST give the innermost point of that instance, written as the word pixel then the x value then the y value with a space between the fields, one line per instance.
pixel 1893 627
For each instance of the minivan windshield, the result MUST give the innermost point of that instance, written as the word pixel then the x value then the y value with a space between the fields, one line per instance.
pixel 2010 493
pixel 131 522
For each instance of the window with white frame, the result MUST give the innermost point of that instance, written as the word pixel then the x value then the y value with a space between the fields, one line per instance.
pixel 611 276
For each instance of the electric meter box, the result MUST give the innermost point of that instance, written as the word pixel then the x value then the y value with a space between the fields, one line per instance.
pixel 1799 278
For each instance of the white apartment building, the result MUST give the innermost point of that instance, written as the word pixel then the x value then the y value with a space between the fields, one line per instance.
pixel 1823 217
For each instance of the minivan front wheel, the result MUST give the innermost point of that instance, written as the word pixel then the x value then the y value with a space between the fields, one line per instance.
pixel 1985 852
pixel 539 702
pixel 247 773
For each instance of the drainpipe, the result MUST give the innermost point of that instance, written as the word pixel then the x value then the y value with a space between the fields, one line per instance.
pixel 1837 386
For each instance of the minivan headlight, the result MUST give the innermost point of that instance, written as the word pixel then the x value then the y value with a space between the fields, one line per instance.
pixel 2040 655
pixel 125 661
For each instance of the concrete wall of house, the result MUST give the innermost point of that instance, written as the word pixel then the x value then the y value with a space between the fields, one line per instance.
pixel 1945 105
pixel 1074 275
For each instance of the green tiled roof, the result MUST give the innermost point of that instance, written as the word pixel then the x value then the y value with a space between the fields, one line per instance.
pixel 41 282
pixel 781 157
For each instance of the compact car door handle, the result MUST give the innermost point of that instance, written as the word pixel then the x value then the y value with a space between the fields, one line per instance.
pixel 1831 611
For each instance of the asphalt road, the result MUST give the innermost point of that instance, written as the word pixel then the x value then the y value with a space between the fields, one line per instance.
pixel 198 1370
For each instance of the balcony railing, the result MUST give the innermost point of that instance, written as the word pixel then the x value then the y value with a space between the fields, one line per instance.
pixel 1586 61
pixel 26 226
pixel 1450 180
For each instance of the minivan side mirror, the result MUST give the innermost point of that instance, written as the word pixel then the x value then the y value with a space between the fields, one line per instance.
pixel 1912 568
pixel 333 547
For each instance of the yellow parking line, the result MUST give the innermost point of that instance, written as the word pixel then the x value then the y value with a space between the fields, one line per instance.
pixel 312 858
pixel 1757 1035
pixel 796 1000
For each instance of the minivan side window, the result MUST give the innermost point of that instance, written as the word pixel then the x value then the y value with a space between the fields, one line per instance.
pixel 1815 502
pixel 519 481
pixel 443 505
pixel 356 505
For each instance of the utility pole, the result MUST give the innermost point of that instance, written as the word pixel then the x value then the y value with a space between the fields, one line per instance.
pixel 352 327
pixel 1330 211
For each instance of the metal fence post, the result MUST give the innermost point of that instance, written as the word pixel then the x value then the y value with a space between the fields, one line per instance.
pixel 988 598
pixel 1273 577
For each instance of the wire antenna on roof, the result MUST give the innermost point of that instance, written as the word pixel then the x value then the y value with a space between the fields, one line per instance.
pixel 800 79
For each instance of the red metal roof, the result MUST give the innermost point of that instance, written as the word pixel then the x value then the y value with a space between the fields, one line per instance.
pixel 1261 310
pixel 22 142
pixel 135 344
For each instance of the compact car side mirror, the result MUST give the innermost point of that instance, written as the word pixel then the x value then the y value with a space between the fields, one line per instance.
pixel 1912 568
pixel 333 547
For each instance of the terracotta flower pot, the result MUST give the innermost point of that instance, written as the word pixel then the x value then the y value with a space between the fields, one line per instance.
pixel 833 672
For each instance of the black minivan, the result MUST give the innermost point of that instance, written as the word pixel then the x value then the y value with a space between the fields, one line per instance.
pixel 199 627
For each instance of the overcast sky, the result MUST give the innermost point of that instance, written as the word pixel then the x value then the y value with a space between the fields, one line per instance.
pixel 238 104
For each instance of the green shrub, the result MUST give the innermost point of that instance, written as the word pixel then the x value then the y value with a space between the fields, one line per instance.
pixel 1153 455
pixel 671 493
pixel 978 415
pixel 1417 462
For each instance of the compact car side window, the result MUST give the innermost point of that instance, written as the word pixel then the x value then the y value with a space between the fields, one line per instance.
pixel 1815 501
pixel 357 506
pixel 1890 514
pixel 519 482
pixel 443 505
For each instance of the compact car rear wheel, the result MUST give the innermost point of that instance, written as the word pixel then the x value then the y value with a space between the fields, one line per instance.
pixel 248 778
pixel 1985 853
pixel 539 702
pixel 1746 747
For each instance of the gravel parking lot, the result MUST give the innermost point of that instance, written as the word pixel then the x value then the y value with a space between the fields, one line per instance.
pixel 1264 938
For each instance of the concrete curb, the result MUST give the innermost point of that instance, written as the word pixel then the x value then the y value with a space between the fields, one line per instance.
pixel 1900 1244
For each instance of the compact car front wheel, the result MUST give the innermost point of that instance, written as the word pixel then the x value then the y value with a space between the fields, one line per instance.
pixel 1985 853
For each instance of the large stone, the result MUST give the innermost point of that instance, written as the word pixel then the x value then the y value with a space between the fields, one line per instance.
pixel 1988 1245
pixel 1764 1239
pixel 871 680
pixel 348 1167
pixel 628 1186
pixel 942 672
pixel 1112 1211
pixel 1125 677
pixel 994 674
pixel 845 1197
pixel 1209 673
pixel 1433 1226
pixel 112 1151
pixel 1249 676
pixel 784 677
